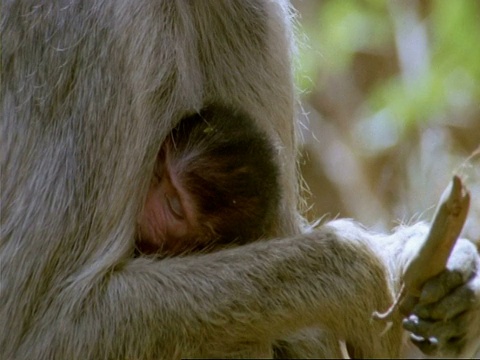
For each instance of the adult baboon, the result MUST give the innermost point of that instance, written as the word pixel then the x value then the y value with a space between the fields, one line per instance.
pixel 90 90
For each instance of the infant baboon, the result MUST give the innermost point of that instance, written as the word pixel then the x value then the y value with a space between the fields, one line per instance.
pixel 215 183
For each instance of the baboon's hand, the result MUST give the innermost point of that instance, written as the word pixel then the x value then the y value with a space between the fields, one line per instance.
pixel 445 320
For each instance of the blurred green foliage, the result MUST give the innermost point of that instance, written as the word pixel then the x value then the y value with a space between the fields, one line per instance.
pixel 445 35
pixel 391 93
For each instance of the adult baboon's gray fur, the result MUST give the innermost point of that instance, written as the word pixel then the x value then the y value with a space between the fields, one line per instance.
pixel 90 89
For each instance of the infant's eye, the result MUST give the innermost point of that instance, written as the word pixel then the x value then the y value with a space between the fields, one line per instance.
pixel 175 206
